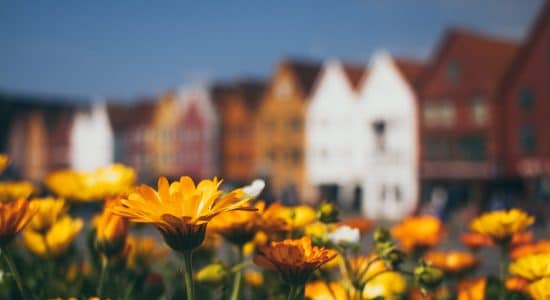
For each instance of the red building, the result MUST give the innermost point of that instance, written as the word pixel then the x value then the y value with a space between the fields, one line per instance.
pixel 460 116
pixel 526 97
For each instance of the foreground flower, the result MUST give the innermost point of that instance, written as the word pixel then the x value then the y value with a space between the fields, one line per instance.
pixel 13 190
pixel 472 289
pixel 111 230
pixel 531 267
pixel 418 232
pixel 451 262
pixel 56 240
pixel 13 218
pixel 320 290
pixel 501 225
pixel 4 161
pixel 535 248
pixel 49 211
pixel 345 236
pixel 96 185
pixel 540 289
pixel 295 260
pixel 387 285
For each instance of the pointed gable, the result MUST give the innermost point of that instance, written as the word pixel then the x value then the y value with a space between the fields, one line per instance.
pixel 410 69
pixel 356 73
pixel 305 72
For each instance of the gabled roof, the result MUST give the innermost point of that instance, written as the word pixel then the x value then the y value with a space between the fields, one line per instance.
pixel 410 69
pixel 250 90
pixel 123 116
pixel 355 73
pixel 306 72
pixel 484 58
pixel 541 22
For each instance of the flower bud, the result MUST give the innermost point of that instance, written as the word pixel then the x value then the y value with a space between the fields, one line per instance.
pixel 427 277
pixel 327 213
pixel 254 278
pixel 212 274
pixel 381 235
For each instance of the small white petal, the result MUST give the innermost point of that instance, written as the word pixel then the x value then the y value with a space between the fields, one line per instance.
pixel 254 189
pixel 345 235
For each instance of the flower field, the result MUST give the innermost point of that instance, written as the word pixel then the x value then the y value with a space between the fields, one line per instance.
pixel 229 244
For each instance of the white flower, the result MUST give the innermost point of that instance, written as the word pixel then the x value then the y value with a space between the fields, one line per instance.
pixel 344 235
pixel 254 189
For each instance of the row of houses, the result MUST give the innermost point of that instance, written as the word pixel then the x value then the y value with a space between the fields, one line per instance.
pixel 468 124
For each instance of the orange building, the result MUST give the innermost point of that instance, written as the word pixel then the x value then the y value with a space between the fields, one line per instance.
pixel 280 139
pixel 237 106
pixel 164 127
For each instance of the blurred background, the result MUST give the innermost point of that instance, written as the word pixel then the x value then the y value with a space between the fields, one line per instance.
pixel 387 108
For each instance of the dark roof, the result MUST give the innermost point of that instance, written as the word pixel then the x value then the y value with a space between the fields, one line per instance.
pixel 410 69
pixel 306 72
pixel 484 58
pixel 132 114
pixel 355 73
pixel 251 90
pixel 541 22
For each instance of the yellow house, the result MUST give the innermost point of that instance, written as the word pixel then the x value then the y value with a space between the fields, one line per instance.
pixel 164 128
pixel 280 136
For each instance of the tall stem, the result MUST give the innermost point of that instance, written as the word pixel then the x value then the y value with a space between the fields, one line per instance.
pixel 102 275
pixel 296 292
pixel 238 277
pixel 15 274
pixel 187 260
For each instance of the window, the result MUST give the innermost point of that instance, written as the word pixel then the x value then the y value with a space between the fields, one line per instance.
pixel 437 148
pixel 295 155
pixel 271 154
pixel 295 124
pixel 439 113
pixel 379 128
pixel 383 193
pixel 453 72
pixel 398 194
pixel 479 111
pixel 270 124
pixel 527 139
pixel 526 99
pixel 472 148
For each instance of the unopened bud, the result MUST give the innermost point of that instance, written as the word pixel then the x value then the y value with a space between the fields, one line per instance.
pixel 428 277
pixel 381 235
pixel 212 274
pixel 327 213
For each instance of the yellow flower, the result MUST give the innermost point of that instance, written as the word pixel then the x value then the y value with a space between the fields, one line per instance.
pixel 49 211
pixel 472 289
pixel 288 218
pixel 538 247
pixel 12 190
pixel 295 260
pixel 318 232
pixel 253 278
pixel 540 289
pixel 181 210
pixel 111 230
pixel 88 186
pixel 320 290
pixel 365 268
pixel 501 225
pixel 13 218
pixel 451 262
pixel 4 161
pixel 389 285
pixel 238 227
pixel 144 250
pixel 413 232
pixel 531 267
pixel 56 240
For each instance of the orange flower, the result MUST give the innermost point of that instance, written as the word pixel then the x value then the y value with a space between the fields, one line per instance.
pixel 535 248
pixel 295 260
pixel 320 290
pixel 181 210
pixel 472 289
pixel 278 217
pixel 111 230
pixel 451 262
pixel 361 223
pixel 4 161
pixel 474 240
pixel 517 284
pixel 521 238
pixel 238 227
pixel 413 232
pixel 13 218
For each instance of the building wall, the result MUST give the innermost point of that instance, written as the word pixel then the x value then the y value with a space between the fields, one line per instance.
pixel 280 136
pixel 329 131
pixel 388 142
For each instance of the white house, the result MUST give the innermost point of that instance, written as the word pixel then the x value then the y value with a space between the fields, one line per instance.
pixel 329 132
pixel 388 138
pixel 91 138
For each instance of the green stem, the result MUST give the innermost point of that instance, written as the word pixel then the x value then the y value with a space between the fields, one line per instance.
pixel 187 260
pixel 296 292
pixel 16 276
pixel 102 275
pixel 238 277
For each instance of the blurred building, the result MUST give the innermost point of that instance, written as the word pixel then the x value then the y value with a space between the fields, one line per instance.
pixel 525 97
pixel 280 130
pixel 388 137
pixel 330 139
pixel 91 137
pixel 460 116
pixel 237 104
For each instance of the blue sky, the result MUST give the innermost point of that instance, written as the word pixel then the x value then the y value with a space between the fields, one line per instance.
pixel 130 48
